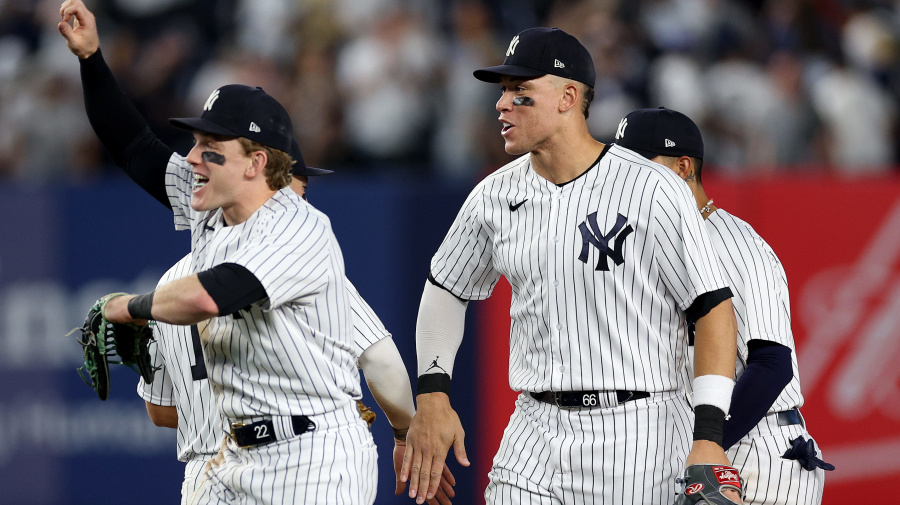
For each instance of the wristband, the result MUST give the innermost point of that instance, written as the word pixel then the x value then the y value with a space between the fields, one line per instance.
pixel 139 306
pixel 713 390
pixel 400 434
pixel 708 423
pixel 433 383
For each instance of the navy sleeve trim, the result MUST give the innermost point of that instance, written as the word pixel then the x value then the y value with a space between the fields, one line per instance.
pixel 705 303
pixel 432 280
pixel 232 287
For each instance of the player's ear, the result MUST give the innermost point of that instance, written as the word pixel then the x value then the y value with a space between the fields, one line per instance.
pixel 684 166
pixel 570 97
pixel 258 161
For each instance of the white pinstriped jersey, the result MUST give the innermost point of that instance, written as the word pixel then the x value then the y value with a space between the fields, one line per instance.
pixel 181 381
pixel 761 300
pixel 601 270
pixel 293 352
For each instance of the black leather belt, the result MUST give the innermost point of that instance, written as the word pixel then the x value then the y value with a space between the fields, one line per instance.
pixel 584 399
pixel 788 417
pixel 263 432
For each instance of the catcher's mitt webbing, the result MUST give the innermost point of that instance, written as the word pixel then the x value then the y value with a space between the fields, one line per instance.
pixel 703 484
pixel 102 340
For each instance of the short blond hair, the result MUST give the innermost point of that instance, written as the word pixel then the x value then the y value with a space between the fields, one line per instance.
pixel 278 168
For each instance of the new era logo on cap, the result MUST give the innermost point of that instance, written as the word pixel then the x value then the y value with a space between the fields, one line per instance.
pixel 669 143
pixel 558 64
pixel 254 127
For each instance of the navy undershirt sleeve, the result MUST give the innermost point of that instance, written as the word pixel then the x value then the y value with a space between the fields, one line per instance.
pixel 768 371
pixel 122 130
pixel 232 287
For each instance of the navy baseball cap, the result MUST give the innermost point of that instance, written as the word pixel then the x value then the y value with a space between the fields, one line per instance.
pixel 299 167
pixel 540 51
pixel 662 131
pixel 236 110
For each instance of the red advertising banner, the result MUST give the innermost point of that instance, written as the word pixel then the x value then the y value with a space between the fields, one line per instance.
pixel 839 240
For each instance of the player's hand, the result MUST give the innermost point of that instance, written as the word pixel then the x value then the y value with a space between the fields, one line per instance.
pixel 705 452
pixel 445 490
pixel 81 36
pixel 434 429
pixel 116 311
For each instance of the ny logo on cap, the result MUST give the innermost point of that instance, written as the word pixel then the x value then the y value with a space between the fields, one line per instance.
pixel 620 133
pixel 512 46
pixel 211 100
pixel 669 143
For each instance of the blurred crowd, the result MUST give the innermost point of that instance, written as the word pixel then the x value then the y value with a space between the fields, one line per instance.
pixel 387 86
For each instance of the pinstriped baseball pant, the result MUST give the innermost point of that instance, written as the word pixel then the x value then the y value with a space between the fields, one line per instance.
pixel 193 471
pixel 627 454
pixel 768 478
pixel 335 464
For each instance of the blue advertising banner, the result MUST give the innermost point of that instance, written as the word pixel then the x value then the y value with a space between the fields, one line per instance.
pixel 61 248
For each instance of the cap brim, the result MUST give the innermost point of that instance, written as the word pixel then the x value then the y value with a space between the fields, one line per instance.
pixel 200 124
pixel 493 74
pixel 310 171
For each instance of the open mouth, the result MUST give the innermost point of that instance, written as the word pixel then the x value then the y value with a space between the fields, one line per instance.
pixel 506 127
pixel 200 181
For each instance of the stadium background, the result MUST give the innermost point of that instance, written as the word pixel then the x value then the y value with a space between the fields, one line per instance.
pixel 797 100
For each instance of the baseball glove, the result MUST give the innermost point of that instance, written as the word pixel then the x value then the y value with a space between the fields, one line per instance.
pixel 102 341
pixel 703 485
pixel 365 413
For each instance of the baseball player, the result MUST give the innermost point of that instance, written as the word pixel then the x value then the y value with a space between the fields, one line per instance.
pixel 267 292
pixel 180 396
pixel 606 257
pixel 765 435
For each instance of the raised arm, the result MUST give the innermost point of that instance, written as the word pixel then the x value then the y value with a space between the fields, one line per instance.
pixel 120 127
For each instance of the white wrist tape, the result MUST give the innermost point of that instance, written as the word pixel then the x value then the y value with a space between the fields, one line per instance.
pixel 713 390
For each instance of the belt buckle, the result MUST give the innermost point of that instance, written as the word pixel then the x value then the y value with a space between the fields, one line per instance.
pixel 556 396
pixel 235 426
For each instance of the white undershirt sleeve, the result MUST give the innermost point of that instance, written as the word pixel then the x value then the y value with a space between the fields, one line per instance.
pixel 439 330
pixel 388 381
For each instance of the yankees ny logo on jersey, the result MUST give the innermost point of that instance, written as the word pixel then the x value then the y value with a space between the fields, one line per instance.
pixel 601 241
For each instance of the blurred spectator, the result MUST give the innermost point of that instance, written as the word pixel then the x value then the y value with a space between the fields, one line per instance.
pixel 781 85
pixel 467 126
pixel 619 59
pixel 791 135
pixel 388 77
pixel 860 118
